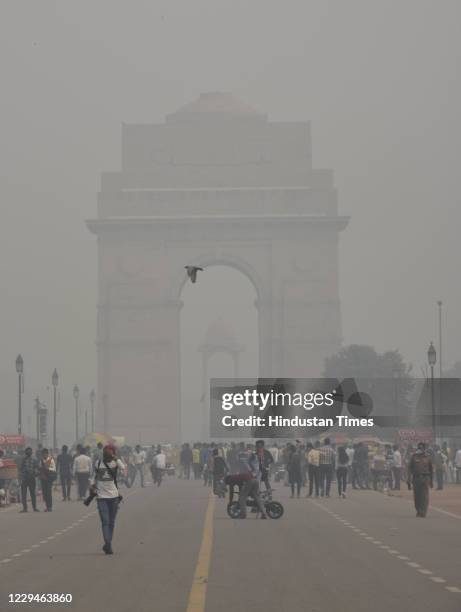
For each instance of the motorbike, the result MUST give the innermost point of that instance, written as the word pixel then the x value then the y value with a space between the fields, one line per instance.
pixel 274 509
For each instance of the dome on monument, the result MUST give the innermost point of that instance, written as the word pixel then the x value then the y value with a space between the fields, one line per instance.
pixel 215 105
pixel 221 335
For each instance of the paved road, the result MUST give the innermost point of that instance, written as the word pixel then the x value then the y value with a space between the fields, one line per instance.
pixel 177 551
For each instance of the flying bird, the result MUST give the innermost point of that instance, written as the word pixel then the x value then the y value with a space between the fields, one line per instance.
pixel 192 272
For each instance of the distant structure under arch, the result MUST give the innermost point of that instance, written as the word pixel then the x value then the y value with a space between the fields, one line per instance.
pixel 217 183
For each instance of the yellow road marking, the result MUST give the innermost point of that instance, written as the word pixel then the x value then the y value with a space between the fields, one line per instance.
pixel 197 595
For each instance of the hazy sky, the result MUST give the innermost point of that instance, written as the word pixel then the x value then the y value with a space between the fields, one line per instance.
pixel 378 80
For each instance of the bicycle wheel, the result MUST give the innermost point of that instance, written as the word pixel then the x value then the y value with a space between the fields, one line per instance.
pixel 233 510
pixel 274 509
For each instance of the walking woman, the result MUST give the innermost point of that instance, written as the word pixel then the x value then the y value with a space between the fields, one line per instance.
pixel 105 487
pixel 47 477
pixel 341 471
pixel 295 477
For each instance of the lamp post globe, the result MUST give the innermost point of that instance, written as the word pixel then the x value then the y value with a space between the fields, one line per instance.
pixel 431 355
pixel 19 364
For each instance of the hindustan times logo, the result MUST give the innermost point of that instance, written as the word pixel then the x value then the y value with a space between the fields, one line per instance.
pixel 252 398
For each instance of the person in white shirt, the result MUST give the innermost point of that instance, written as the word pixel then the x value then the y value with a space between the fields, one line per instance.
pixel 104 486
pixel 47 477
pixel 274 451
pixel 158 466
pixel 396 467
pixel 458 466
pixel 82 472
pixel 139 460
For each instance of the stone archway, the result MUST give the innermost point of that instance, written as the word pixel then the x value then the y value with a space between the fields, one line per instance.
pixel 234 190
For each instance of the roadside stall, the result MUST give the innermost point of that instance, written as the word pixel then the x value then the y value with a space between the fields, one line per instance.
pixel 11 445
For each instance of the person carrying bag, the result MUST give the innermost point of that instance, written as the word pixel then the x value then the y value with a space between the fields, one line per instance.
pixel 104 487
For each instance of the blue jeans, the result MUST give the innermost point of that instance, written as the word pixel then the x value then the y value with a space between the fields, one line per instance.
pixel 107 512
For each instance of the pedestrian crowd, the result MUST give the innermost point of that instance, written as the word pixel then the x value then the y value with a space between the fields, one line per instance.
pixel 317 466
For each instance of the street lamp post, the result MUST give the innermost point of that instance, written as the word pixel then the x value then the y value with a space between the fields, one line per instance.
pixel 92 399
pixel 54 381
pixel 432 359
pixel 37 408
pixel 76 393
pixel 396 376
pixel 439 304
pixel 20 371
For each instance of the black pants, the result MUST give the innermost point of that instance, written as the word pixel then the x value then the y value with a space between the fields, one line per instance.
pixel 28 484
pixel 326 472
pixel 47 494
pixel 265 479
pixel 186 467
pixel 341 476
pixel 396 474
pixel 295 479
pixel 355 477
pixel 421 494
pixel 363 475
pixel 66 481
pixel 197 470
pixel 313 472
pixel 82 483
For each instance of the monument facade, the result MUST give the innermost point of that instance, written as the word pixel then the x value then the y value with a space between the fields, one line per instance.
pixel 216 184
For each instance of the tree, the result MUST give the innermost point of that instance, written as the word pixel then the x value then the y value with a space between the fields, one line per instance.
pixel 365 365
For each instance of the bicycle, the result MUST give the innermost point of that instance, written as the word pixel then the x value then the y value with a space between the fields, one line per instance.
pixel 274 509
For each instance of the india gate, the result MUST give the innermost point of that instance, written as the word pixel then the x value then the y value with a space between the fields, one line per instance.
pixel 216 184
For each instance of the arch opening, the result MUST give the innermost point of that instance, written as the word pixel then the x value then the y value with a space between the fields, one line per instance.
pixel 219 338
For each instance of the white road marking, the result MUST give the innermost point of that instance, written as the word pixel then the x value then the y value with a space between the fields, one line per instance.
pixel 392 551
pixel 60 532
pixel 456 516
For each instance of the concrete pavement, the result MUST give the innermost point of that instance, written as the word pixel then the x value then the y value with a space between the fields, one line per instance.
pixel 365 553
